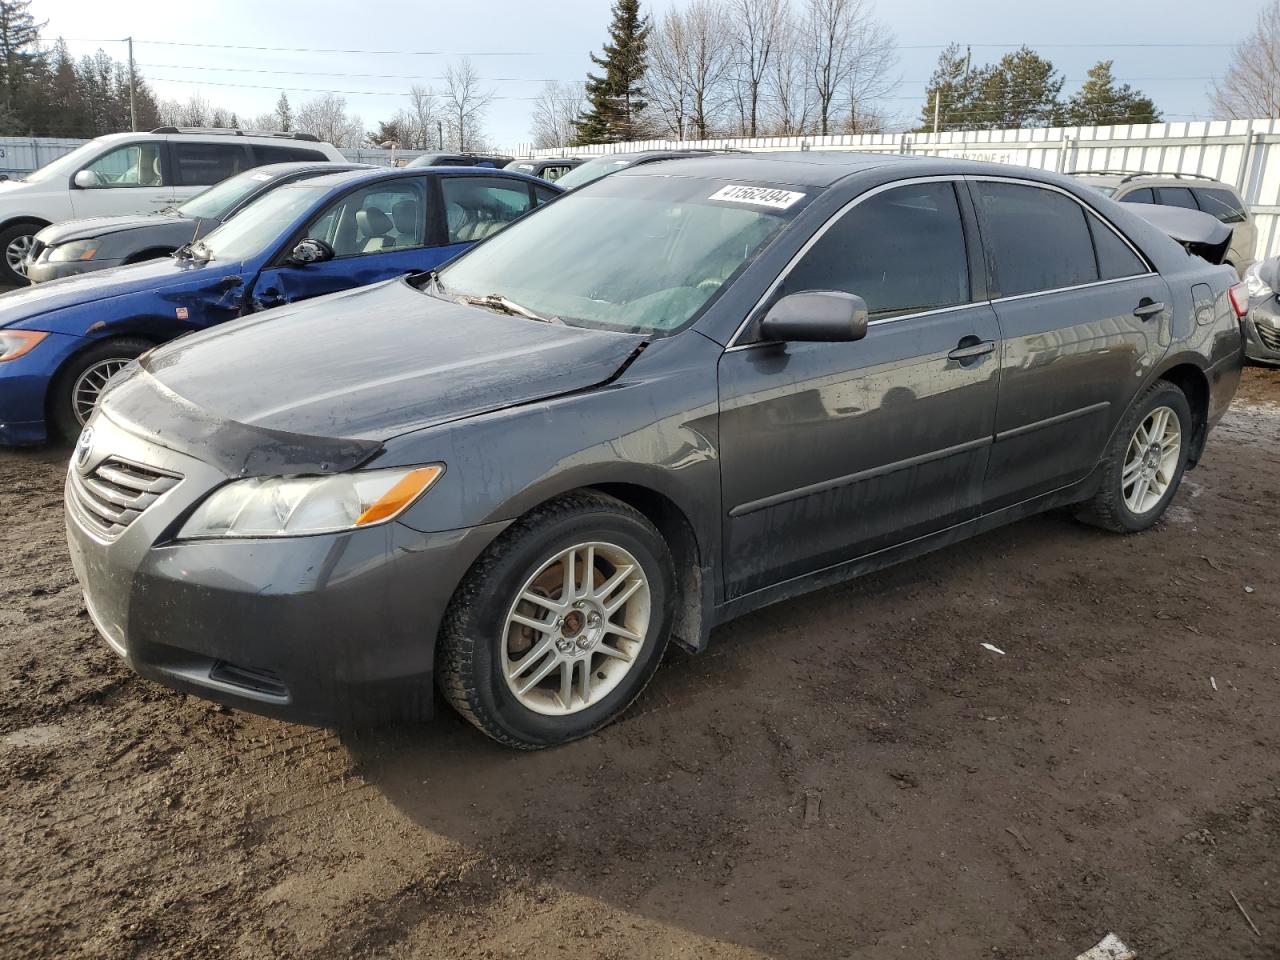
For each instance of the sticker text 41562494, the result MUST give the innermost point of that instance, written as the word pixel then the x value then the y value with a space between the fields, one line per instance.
pixel 759 196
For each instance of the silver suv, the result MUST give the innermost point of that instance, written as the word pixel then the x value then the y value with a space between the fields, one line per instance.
pixel 1191 190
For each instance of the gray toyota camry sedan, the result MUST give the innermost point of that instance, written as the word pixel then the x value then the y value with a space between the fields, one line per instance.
pixel 673 396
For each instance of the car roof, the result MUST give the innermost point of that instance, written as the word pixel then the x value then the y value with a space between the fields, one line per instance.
pixel 348 177
pixel 810 168
pixel 1116 178
pixel 277 170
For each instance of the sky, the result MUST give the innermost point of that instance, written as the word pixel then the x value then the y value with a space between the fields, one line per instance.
pixel 517 44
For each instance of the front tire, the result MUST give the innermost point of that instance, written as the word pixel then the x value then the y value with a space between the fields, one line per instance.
pixel 76 388
pixel 560 624
pixel 15 242
pixel 1144 463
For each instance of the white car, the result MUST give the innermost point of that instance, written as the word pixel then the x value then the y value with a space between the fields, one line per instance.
pixel 128 173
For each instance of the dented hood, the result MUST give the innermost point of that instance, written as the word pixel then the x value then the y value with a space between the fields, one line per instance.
pixel 379 361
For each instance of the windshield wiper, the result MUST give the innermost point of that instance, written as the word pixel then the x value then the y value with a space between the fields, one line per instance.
pixel 496 301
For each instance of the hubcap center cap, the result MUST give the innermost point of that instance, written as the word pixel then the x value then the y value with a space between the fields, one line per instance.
pixel 574 621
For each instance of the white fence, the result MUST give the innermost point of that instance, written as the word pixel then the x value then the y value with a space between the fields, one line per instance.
pixel 1244 153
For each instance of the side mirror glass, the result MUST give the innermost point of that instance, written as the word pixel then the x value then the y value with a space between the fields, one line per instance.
pixel 310 251
pixel 1269 273
pixel 816 315
pixel 86 179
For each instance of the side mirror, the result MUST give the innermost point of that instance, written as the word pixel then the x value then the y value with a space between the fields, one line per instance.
pixel 1269 273
pixel 310 251
pixel 827 316
pixel 86 179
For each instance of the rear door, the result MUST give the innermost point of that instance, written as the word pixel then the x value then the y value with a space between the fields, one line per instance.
pixel 1083 318
pixel 377 231
pixel 196 165
pixel 830 451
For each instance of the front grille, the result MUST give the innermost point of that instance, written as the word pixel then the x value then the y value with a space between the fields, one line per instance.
pixel 1270 338
pixel 116 493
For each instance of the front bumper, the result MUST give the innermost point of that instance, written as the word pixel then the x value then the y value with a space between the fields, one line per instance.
pixel 24 389
pixel 42 271
pixel 335 629
pixel 1262 331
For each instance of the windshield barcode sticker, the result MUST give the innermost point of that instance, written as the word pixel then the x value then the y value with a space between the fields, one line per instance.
pixel 760 196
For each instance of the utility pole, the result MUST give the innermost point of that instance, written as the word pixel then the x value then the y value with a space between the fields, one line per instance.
pixel 937 101
pixel 440 132
pixel 133 108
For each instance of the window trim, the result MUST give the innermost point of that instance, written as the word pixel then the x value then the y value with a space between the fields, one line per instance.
pixel 734 345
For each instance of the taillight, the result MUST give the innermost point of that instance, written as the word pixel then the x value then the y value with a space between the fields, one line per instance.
pixel 1238 294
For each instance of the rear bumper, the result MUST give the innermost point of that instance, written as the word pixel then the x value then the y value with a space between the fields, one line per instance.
pixel 334 630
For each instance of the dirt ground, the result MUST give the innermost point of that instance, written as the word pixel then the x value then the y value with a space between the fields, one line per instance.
pixel 847 775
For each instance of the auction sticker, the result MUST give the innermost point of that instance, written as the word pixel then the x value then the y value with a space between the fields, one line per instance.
pixel 760 196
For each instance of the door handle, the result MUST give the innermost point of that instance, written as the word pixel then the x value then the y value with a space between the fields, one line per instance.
pixel 971 348
pixel 1147 308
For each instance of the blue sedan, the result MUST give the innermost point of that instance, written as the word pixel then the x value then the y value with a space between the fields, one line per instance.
pixel 61 341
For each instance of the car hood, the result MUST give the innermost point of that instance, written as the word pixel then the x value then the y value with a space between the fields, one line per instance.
pixel 97 226
pixel 379 361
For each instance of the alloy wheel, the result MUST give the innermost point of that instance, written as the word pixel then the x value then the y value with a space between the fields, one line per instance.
pixel 88 386
pixel 1151 460
pixel 576 628
pixel 15 254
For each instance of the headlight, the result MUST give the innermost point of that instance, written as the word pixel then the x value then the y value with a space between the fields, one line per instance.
pixel 76 250
pixel 1253 283
pixel 296 506
pixel 14 343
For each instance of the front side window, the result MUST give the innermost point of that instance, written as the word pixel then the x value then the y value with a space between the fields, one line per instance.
pixel 379 218
pixel 902 251
pixel 478 207
pixel 202 164
pixel 1221 203
pixel 135 165
pixel 1036 239
pixel 636 254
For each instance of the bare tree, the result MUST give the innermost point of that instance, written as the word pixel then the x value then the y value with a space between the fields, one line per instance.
pixel 691 65
pixel 874 56
pixel 423 118
pixel 326 116
pixel 465 104
pixel 789 105
pixel 555 113
pixel 195 111
pixel 265 121
pixel 756 28
pixel 842 39
pixel 1250 89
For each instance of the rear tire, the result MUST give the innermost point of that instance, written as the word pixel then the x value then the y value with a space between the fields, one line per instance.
pixel 1145 462
pixel 74 390
pixel 494 642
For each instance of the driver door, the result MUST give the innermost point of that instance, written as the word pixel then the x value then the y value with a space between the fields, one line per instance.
pixel 377 232
pixel 132 178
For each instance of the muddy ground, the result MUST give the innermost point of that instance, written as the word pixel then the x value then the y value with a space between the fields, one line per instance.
pixel 846 775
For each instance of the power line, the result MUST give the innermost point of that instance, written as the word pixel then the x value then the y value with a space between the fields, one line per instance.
pixel 352 93
pixel 343 73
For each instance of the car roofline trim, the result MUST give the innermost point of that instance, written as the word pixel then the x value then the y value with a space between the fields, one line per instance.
pixel 950 178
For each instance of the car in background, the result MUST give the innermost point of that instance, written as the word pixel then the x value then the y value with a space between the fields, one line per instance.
pixel 83 246
pixel 611 163
pixel 131 173
pixel 1262 326
pixel 550 169
pixel 671 397
pixel 459 160
pixel 1191 191
pixel 61 342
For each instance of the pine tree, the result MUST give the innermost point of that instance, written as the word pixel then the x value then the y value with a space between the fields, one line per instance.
pixel 1100 102
pixel 953 87
pixel 1020 91
pixel 616 100
pixel 284 113
pixel 22 63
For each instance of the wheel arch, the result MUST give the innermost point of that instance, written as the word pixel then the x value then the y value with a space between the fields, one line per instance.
pixel 23 218
pixel 1194 384
pixel 89 343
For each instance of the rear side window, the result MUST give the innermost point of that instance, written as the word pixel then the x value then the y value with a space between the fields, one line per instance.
pixel 542 194
pixel 267 154
pixel 1177 197
pixel 1115 258
pixel 1036 239
pixel 476 207
pixel 902 251
pixel 1139 196
pixel 1221 203
pixel 204 164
